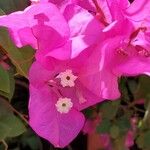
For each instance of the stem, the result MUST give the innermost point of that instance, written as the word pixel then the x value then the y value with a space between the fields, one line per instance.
pixel 3 50
pixel 146 118
pixel 132 105
pixel 19 114
pixel 130 94
pixel 5 144
pixel 27 60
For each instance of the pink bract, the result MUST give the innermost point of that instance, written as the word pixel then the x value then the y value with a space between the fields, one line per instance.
pixel 22 24
pixel 91 86
pixel 39 26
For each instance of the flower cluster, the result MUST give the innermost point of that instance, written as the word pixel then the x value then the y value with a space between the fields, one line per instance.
pixel 82 49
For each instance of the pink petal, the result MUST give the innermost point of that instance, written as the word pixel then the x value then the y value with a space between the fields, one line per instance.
pixel 133 66
pixel 61 52
pixel 82 96
pixel 138 10
pixel 22 23
pixel 39 76
pixel 85 29
pixel 46 121
pixel 96 77
pixel 117 7
pixel 80 21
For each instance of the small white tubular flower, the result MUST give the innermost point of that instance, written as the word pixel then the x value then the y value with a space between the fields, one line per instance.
pixel 67 78
pixel 64 105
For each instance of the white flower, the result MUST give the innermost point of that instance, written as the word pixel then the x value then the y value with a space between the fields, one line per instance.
pixel 64 105
pixel 67 78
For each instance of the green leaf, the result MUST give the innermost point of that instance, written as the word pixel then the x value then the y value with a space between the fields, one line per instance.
pixel 114 131
pixel 4 81
pixel 147 139
pixel 13 5
pixel 4 130
pixel 89 112
pixel 104 126
pixel 29 139
pixel 21 57
pixel 2 12
pixel 11 86
pixel 10 125
pixel 143 140
pixel 143 90
pixel 109 109
pixel 16 127
pixel 140 141
pixel 124 124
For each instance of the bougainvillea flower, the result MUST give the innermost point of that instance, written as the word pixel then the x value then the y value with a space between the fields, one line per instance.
pixel 39 26
pixel 58 121
pixel 83 33
pixel 138 13
pixel 99 8
pixel 21 24
pixel 86 4
pixel 124 58
pixel 116 8
pixel 60 89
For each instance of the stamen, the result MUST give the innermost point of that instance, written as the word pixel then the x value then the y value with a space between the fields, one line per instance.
pixel 144 53
pixel 135 33
pixel 122 52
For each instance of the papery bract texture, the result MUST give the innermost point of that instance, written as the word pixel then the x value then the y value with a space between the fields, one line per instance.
pixel 23 24
pixel 59 129
pixel 79 82
pixel 85 30
pixel 125 58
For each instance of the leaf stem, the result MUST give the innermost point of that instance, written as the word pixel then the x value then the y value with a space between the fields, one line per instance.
pixel 19 114
pixel 5 144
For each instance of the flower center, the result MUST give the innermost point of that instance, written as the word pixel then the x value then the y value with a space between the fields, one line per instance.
pixel 122 52
pixel 64 105
pixel 67 78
